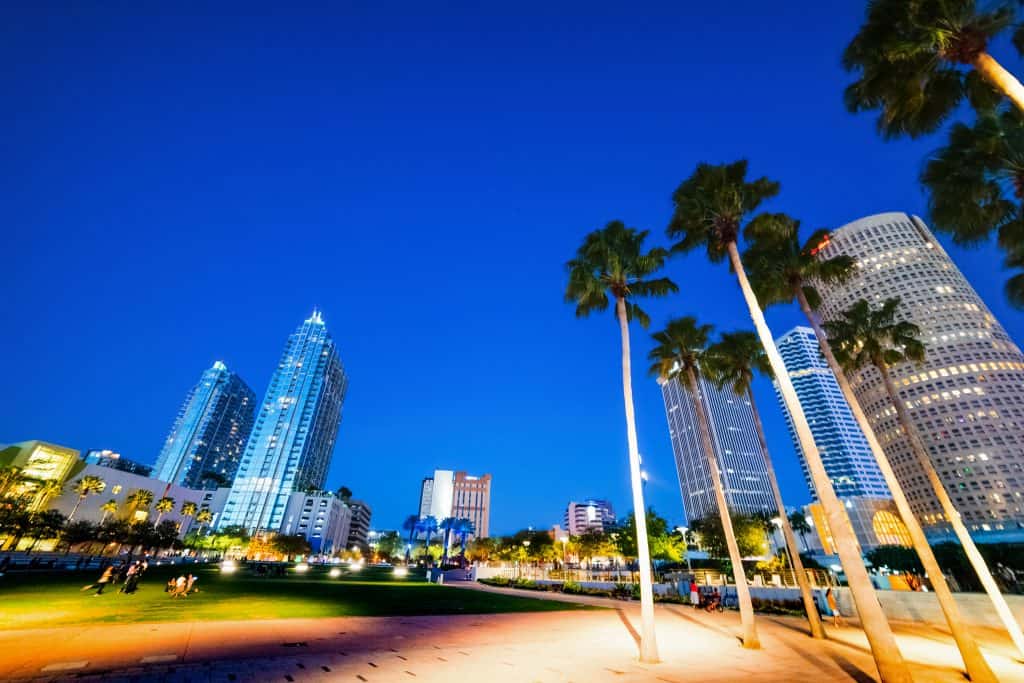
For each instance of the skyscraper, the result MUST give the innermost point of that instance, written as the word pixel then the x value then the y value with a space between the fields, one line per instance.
pixel 291 445
pixel 845 452
pixel 734 437
pixel 966 400
pixel 206 440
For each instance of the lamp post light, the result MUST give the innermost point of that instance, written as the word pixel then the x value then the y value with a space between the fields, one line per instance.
pixel 682 532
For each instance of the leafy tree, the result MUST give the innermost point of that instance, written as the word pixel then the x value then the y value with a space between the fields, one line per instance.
pixel 290 545
pixel 895 557
pixel 165 534
pixel 750 538
pixel 481 549
pixel 141 535
pixel 43 525
pixel 916 60
pixel 390 545
pixel 84 487
pixel 345 493
pixel 612 260
pixel 79 532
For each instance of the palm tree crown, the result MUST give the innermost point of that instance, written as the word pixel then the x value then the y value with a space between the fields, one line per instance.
pixel 140 498
pixel 204 516
pixel 679 348
pixel 613 260
pixel 866 335
pixel 711 205
pixel 189 509
pixel 734 360
pixel 909 56
pixel 89 485
pixel 781 269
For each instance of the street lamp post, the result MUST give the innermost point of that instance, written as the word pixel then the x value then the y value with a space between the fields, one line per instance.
pixel 686 546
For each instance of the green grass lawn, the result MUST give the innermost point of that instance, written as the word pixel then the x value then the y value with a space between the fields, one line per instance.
pixel 46 600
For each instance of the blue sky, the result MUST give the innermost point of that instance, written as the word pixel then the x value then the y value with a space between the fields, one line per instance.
pixel 184 184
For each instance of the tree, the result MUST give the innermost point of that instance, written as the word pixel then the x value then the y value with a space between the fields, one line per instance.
pixel 896 558
pixel 976 187
pixel 866 336
pixel 411 524
pixel 108 508
pixel 163 506
pixel 749 532
pixel 84 487
pixel 782 271
pixel 733 361
pixel 75 533
pixel 678 353
pixel 428 527
pixel 46 491
pixel 390 545
pixel 47 524
pixel 464 528
pixel 613 260
pixel 345 493
pixel 189 509
pixel 165 534
pixel 204 517
pixel 140 499
pixel 710 209
pixel 798 521
pixel 916 60
pixel 290 544
pixel 481 549
pixel 9 478
pixel 448 526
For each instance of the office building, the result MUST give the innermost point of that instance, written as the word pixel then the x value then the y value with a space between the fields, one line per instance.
pixel 322 518
pixel 734 437
pixel 359 530
pixel 108 458
pixel 293 439
pixel 206 440
pixel 39 464
pixel 459 495
pixel 589 515
pixel 966 401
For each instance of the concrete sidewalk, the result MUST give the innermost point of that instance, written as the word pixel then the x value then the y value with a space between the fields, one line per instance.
pixel 582 646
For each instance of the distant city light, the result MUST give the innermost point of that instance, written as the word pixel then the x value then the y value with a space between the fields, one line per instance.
pixel 334 573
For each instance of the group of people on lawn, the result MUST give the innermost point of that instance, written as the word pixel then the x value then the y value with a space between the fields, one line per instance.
pixel 128 574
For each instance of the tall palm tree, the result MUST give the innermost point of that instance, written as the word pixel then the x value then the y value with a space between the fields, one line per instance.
pixel 162 507
pixel 411 524
pixel 976 185
pixel 710 208
pixel 140 499
pixel 916 60
pixel 733 361
pixel 188 509
pixel 84 487
pixel 798 522
pixel 613 261
pixel 9 478
pixel 204 517
pixel 678 353
pixel 428 526
pixel 447 525
pixel 45 492
pixel 867 336
pixel 782 271
pixel 464 528
pixel 108 508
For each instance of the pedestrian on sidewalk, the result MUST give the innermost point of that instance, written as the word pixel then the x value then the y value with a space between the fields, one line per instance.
pixel 694 594
pixel 833 607
pixel 102 582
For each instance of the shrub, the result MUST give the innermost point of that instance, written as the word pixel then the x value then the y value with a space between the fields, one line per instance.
pixel 572 587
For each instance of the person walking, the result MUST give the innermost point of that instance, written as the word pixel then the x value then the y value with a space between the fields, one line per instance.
pixel 833 607
pixel 102 582
pixel 694 594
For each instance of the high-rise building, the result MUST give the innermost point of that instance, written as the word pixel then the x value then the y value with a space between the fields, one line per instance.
pixel 359 531
pixel 292 442
pixel 966 401
pixel 588 515
pixel 734 437
pixel 108 458
pixel 460 495
pixel 206 440
pixel 845 452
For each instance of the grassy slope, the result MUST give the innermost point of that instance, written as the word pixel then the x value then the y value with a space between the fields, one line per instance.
pixel 55 600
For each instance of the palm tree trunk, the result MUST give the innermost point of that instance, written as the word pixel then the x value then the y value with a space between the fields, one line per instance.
pixel 891 667
pixel 1004 81
pixel 750 639
pixel 648 642
pixel 977 668
pixel 75 509
pixel 813 618
pixel 953 516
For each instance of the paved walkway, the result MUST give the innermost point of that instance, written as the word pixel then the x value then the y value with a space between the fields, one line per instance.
pixel 588 646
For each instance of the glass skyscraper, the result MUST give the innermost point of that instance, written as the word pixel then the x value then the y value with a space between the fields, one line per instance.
pixel 734 437
pixel 845 452
pixel 208 435
pixel 291 445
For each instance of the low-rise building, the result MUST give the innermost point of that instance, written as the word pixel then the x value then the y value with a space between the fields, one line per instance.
pixel 359 533
pixel 321 517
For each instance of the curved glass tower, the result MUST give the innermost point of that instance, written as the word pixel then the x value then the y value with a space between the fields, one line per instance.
pixel 291 445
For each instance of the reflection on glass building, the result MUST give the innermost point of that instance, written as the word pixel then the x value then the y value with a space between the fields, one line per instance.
pixel 206 440
pixel 734 437
pixel 291 444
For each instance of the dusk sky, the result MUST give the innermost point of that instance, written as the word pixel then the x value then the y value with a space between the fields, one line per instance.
pixel 184 185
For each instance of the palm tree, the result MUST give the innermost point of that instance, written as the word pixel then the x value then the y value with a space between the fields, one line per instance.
pixel 798 521
pixel 84 487
pixel 163 506
pixel 976 185
pixel 447 525
pixel 875 336
pixel 781 271
pixel 188 509
pixel 427 526
pixel 678 354
pixel 613 260
pixel 204 517
pixel 917 59
pixel 47 490
pixel 108 508
pixel 411 524
pixel 140 498
pixel 9 478
pixel 464 528
pixel 710 207
pixel 734 360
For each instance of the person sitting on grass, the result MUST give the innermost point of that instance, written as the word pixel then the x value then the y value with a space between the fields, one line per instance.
pixel 179 590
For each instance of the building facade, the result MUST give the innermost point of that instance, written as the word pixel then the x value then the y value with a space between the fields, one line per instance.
pixel 734 437
pixel 589 515
pixel 459 495
pixel 966 400
pixel 108 458
pixel 359 530
pixel 206 439
pixel 845 452
pixel 293 439
pixel 322 518
pixel 40 464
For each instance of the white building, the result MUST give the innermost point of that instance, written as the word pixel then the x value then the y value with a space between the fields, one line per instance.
pixel 966 400
pixel 359 532
pixel 588 515
pixel 321 517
